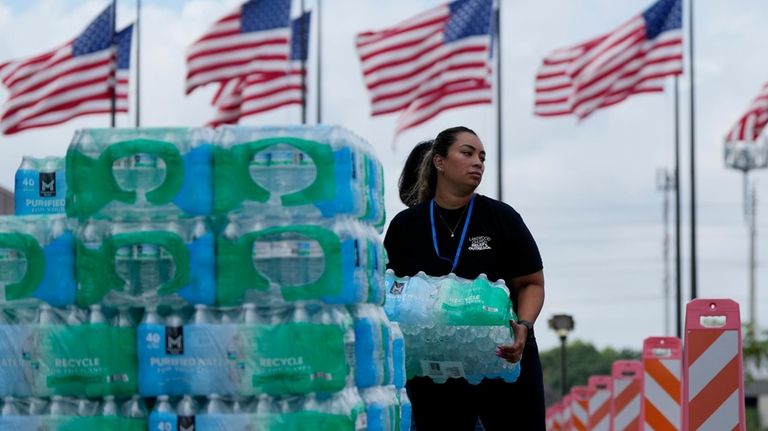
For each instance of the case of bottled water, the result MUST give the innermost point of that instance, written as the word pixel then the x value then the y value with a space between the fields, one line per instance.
pixel 452 326
pixel 382 408
pixel 310 171
pixel 138 262
pixel 47 351
pixel 65 414
pixel 41 186
pixel 342 411
pixel 337 261
pixel 297 349
pixel 373 346
pixel 111 170
pixel 37 259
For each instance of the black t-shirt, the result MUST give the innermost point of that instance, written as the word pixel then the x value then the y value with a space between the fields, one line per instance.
pixel 497 244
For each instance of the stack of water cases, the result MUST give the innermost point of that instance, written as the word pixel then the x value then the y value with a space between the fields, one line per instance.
pixel 62 366
pixel 452 326
pixel 298 339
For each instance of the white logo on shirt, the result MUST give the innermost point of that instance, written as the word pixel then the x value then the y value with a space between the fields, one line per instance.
pixel 479 243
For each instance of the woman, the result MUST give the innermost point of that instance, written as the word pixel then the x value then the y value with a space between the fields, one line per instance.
pixel 449 228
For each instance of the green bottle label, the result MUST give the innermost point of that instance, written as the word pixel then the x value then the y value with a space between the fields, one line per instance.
pixel 295 358
pixel 73 360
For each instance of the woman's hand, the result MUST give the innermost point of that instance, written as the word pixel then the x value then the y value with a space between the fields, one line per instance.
pixel 514 352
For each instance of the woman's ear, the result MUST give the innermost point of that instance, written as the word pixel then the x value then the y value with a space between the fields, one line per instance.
pixel 439 163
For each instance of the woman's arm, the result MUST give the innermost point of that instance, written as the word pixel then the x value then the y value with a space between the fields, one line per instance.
pixel 530 300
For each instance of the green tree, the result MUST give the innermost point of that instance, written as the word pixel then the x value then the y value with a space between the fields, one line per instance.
pixel 583 361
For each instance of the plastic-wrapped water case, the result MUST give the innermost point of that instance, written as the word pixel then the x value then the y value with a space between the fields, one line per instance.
pixel 73 352
pixel 382 408
pixel 338 261
pixel 37 259
pixel 245 351
pixel 67 414
pixel 113 170
pixel 41 186
pixel 342 411
pixel 452 326
pixel 146 262
pixel 310 171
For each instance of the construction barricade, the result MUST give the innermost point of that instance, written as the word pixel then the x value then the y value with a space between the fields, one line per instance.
pixel 662 384
pixel 713 366
pixel 627 383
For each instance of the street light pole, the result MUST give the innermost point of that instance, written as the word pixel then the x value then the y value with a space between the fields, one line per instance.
pixel 563 367
pixel 562 324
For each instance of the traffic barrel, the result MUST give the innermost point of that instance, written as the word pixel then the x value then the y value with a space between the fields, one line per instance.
pixel 580 408
pixel 600 403
pixel 661 409
pixel 627 383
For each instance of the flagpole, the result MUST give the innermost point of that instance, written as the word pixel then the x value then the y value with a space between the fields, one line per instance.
pixel 678 272
pixel 694 290
pixel 138 63
pixel 113 83
pixel 499 158
pixel 318 90
pixel 303 66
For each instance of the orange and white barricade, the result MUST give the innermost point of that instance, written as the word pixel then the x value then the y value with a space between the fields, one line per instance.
pixel 600 403
pixel 627 382
pixel 662 384
pixel 554 417
pixel 713 366
pixel 580 408
pixel 566 421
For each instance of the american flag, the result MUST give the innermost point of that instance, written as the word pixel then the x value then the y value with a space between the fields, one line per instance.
pixel 751 124
pixel 255 37
pixel 430 63
pixel 69 81
pixel 634 58
pixel 266 90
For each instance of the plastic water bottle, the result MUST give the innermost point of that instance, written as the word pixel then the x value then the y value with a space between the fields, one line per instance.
pixel 38 407
pixel 109 406
pixel 369 355
pixel 12 267
pixel 9 407
pixel 96 315
pixel 86 407
pixel 163 416
pixel 134 408
pixel 123 319
pixel 46 315
pixel 215 405
pixel 59 407
pixel 74 316
pixel 398 355
pixel 186 411
pixel 282 169
pixel 148 256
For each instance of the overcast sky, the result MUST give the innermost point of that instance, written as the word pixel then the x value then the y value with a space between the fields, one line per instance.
pixel 587 190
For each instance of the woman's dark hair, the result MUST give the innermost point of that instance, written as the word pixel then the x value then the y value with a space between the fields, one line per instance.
pixel 419 177
pixel 410 174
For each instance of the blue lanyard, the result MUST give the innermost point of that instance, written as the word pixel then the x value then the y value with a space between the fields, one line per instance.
pixel 463 231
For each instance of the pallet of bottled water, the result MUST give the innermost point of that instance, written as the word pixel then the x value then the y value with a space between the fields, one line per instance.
pixel 70 352
pixel 66 413
pixel 136 262
pixel 305 171
pixel 452 326
pixel 268 260
pixel 37 260
pixel 112 171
